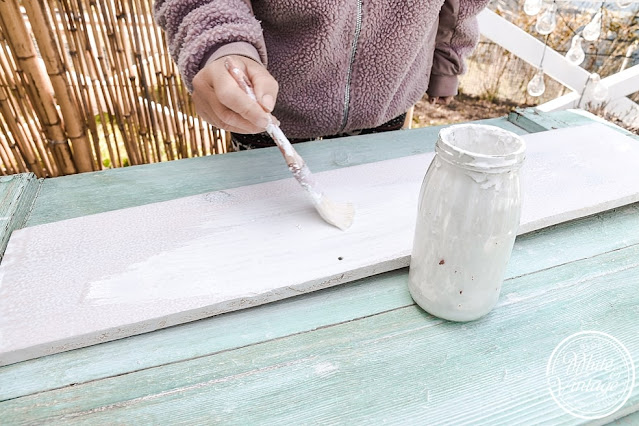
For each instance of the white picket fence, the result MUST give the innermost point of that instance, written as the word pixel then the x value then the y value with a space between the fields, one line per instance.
pixel 555 65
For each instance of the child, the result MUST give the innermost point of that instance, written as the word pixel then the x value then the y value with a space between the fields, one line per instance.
pixel 334 67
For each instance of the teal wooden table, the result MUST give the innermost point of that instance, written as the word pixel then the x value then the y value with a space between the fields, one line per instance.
pixel 356 353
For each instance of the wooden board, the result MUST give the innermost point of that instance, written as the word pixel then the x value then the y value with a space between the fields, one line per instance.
pixel 97 278
pixel 83 194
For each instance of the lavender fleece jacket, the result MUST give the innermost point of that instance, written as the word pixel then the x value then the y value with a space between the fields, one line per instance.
pixel 341 65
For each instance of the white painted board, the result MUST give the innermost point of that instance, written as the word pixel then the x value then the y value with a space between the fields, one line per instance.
pixel 88 280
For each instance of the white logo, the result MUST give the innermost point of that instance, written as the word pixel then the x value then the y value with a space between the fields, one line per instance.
pixel 590 374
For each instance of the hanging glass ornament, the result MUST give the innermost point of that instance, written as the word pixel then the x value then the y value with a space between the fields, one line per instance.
pixel 599 89
pixel 536 86
pixel 532 7
pixel 547 21
pixel 592 31
pixel 576 53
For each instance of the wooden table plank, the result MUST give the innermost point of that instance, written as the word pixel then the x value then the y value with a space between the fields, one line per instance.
pixel 544 249
pixel 89 193
pixel 533 120
pixel 17 194
pixel 395 366
pixel 631 419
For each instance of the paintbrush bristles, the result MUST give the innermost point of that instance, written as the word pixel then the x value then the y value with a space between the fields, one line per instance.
pixel 340 215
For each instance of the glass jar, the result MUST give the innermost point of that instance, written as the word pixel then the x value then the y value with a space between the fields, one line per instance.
pixel 469 209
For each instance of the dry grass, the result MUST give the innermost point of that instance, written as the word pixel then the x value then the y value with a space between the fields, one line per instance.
pixel 463 108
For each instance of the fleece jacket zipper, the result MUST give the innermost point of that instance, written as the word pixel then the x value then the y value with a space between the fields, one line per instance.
pixel 349 76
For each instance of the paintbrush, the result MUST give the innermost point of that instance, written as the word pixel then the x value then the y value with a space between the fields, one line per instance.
pixel 337 214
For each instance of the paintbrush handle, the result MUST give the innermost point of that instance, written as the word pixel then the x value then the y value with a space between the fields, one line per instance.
pixel 285 146
pixel 294 161
pixel 240 78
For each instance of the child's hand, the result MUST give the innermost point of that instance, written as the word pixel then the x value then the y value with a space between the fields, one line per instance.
pixel 221 102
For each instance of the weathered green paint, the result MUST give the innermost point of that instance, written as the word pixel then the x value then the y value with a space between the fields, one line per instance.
pixel 90 193
pixel 17 194
pixel 629 420
pixel 533 120
pixel 401 365
pixel 536 251
pixel 361 352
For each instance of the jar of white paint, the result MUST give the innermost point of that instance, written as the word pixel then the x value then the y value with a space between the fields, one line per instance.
pixel 469 208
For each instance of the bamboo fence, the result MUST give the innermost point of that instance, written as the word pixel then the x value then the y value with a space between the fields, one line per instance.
pixel 89 84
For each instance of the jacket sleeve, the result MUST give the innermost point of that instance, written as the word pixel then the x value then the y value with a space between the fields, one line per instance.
pixel 201 30
pixel 457 36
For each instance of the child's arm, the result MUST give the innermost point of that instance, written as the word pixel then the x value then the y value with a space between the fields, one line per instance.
pixel 457 36
pixel 199 34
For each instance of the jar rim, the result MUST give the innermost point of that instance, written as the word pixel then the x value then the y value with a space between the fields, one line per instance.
pixel 481 147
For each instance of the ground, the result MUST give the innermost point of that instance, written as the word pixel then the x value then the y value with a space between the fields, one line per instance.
pixel 616 121
pixel 463 108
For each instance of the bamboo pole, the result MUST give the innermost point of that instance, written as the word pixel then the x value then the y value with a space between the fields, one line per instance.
pixel 24 50
pixel 19 106
pixel 12 147
pixel 195 148
pixel 170 84
pixel 174 101
pixel 122 53
pixel 181 106
pixel 107 91
pixel 90 75
pixel 86 39
pixel 73 121
pixel 103 63
pixel 86 71
pixel 155 40
pixel 166 122
pixel 162 70
pixel 81 93
pixel 126 120
pixel 8 109
pixel 147 115
pixel 76 63
pixel 9 167
pixel 145 72
pixel 24 149
pixel 30 128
